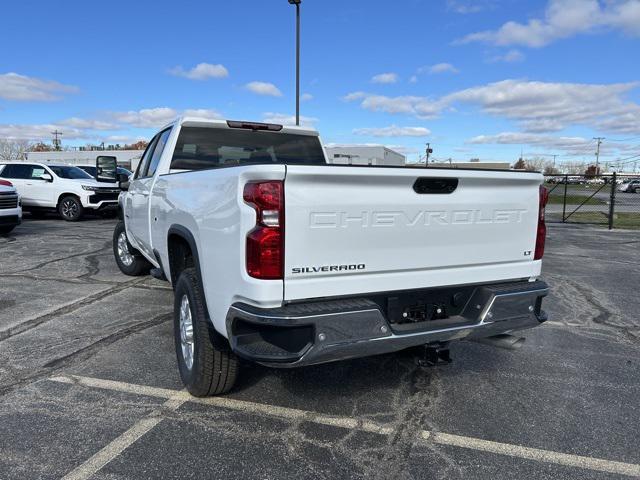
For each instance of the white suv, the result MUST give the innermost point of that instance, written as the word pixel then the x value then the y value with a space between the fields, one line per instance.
pixel 67 189
pixel 10 209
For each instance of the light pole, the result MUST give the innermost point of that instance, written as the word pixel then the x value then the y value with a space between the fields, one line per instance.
pixel 297 4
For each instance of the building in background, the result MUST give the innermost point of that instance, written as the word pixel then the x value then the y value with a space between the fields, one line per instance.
pixel 126 158
pixel 364 155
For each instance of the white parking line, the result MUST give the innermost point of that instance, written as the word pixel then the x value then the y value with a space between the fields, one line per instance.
pixel 179 397
pixel 124 441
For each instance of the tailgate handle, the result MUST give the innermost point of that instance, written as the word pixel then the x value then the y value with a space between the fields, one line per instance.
pixel 435 185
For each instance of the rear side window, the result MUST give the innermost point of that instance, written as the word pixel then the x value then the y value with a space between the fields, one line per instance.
pixel 200 148
pixel 17 171
pixel 157 153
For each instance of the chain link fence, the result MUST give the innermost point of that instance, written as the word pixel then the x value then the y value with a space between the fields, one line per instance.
pixel 612 201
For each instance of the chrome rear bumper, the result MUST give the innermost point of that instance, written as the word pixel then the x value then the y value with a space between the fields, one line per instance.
pixel 320 332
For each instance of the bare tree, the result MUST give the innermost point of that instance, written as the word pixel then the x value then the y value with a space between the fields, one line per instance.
pixel 574 168
pixel 550 169
pixel 11 150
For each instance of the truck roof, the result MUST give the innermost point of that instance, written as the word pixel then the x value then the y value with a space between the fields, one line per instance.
pixel 206 122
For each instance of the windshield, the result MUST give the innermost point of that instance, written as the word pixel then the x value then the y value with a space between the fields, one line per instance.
pixel 73 173
pixel 201 147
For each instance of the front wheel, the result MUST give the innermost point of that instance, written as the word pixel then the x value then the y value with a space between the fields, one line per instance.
pixel 205 369
pixel 70 209
pixel 129 260
pixel 5 230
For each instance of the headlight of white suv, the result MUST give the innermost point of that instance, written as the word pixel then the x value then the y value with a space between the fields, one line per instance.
pixel 90 188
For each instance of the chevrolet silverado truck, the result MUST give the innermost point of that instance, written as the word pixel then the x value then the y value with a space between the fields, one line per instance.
pixel 279 258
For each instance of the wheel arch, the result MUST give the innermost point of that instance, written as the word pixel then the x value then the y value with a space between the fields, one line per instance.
pixel 179 236
pixel 68 194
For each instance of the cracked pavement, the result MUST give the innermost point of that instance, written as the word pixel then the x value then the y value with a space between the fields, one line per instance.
pixel 65 309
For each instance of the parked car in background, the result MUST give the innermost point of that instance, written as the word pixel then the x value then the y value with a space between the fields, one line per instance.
pixel 630 186
pixel 92 170
pixel 10 209
pixel 283 260
pixel 63 188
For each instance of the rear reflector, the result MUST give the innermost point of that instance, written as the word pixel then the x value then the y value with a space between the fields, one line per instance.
pixel 265 242
pixel 542 228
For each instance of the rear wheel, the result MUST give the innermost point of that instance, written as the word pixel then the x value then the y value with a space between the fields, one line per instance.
pixel 129 260
pixel 70 208
pixel 205 369
pixel 6 229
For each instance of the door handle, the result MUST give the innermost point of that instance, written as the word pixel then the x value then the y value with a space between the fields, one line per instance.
pixel 433 185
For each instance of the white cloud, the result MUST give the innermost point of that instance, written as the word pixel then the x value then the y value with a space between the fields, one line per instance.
pixel 286 119
pixel 543 107
pixel 305 97
pixel 88 124
pixel 38 132
pixel 160 116
pixel 420 107
pixel 263 88
pixel 393 131
pixel 466 7
pixel 147 117
pixel 413 79
pixel 202 71
pixel 563 19
pixel 568 145
pixel 443 68
pixel 22 88
pixel 389 77
pixel 209 114
pixel 511 56
pixel 536 106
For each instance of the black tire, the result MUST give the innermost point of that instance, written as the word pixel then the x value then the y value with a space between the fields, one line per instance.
pixel 70 208
pixel 213 370
pixel 5 230
pixel 130 261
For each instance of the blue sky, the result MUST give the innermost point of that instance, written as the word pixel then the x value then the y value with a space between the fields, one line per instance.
pixel 476 79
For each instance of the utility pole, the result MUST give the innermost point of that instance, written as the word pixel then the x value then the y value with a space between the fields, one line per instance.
pixel 554 160
pixel 56 140
pixel 599 139
pixel 429 151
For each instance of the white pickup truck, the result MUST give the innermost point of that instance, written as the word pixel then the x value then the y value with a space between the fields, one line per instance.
pixel 283 260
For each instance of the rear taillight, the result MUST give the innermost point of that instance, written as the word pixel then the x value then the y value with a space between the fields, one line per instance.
pixel 6 183
pixel 265 242
pixel 542 228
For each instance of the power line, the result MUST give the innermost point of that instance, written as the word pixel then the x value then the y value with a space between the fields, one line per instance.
pixel 623 139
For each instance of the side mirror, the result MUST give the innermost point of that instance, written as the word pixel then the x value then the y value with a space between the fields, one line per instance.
pixel 123 181
pixel 106 169
pixel 46 177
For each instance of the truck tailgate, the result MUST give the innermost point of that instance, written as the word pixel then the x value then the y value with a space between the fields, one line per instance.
pixel 351 230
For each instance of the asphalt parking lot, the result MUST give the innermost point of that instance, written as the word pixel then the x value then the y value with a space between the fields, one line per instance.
pixel 89 387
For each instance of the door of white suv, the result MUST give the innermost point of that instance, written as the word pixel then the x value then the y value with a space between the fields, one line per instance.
pixel 35 191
